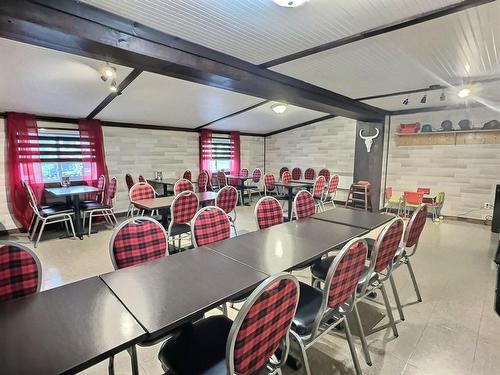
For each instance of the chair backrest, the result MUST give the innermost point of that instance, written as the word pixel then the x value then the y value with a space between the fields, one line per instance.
pixel 387 244
pixel 31 196
pixel 283 169
pixel 221 178
pixel 325 173
pixel 202 181
pixel 244 172
pixel 129 181
pixel 187 175
pixel 137 240
pixel 309 174
pixel 262 325
pixel 388 193
pixel 319 186
pixel 412 197
pixel 296 173
pixel 304 205
pixel 183 185
pixel 415 226
pixel 333 184
pixel 256 175
pixel 183 208
pixel 111 191
pixel 268 212
pixel 141 190
pixel 424 190
pixel 440 198
pixel 286 177
pixel 209 225
pixel 141 178
pixel 227 198
pixel 269 182
pixel 20 271
pixel 101 185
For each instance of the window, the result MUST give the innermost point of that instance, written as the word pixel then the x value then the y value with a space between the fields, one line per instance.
pixel 220 150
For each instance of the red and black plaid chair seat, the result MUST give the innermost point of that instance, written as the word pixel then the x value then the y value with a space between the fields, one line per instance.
pixel 309 174
pixel 268 212
pixel 187 175
pixel 227 198
pixel 325 173
pixel 137 240
pixel 141 190
pixel 202 181
pixel 210 225
pixel 183 185
pixel 296 173
pixel 304 205
pixel 416 226
pixel 257 333
pixel 20 271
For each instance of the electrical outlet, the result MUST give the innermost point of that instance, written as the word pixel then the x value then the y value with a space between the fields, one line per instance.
pixel 487 205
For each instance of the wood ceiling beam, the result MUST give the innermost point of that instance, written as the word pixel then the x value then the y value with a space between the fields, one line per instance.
pixel 233 114
pixel 80 29
pixel 296 126
pixel 401 24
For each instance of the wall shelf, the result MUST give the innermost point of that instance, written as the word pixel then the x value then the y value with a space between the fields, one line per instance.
pixel 455 137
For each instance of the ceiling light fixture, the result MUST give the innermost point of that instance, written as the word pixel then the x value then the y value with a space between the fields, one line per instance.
pixel 108 72
pixel 279 108
pixel 113 87
pixel 464 93
pixel 443 96
pixel 290 3
pixel 406 101
pixel 424 99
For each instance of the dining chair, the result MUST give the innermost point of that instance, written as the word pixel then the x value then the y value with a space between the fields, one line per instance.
pixel 304 205
pixel 325 173
pixel 140 190
pixel 244 172
pixel 436 206
pixel 318 192
pixel 411 201
pixel 282 170
pixel 321 309
pixel 141 178
pixel 286 177
pixel 255 185
pixel 269 184
pixel 309 174
pixel 227 199
pixel 130 182
pixel 202 181
pixel 187 175
pixel 424 190
pixel 47 215
pixel 99 195
pixel 268 212
pixel 257 341
pixel 331 190
pixel 20 271
pixel 209 225
pixel 183 185
pixel 391 201
pixel 183 209
pixel 105 209
pixel 221 179
pixel 296 173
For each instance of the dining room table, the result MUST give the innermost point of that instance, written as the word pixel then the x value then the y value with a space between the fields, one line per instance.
pixel 354 217
pixel 166 182
pixel 73 194
pixel 289 186
pixel 240 185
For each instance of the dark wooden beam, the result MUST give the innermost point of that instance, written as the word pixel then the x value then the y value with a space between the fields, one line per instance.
pixel 410 111
pixel 233 114
pixel 108 99
pixel 410 21
pixel 78 28
pixel 305 123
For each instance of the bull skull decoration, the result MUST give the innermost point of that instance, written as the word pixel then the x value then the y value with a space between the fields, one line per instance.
pixel 368 139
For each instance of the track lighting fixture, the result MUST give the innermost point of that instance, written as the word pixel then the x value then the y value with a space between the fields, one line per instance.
pixel 113 87
pixel 424 99
pixel 442 97
pixel 406 101
pixel 108 72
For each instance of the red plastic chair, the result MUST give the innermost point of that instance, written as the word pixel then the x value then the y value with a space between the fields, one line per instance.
pixel 304 205
pixel 209 225
pixel 412 200
pixel 268 212
pixel 309 174
pixel 183 185
pixel 424 190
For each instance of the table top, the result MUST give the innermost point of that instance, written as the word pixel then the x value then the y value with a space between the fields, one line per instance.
pixel 235 177
pixel 304 182
pixel 65 329
pixel 355 218
pixel 165 202
pixel 291 184
pixel 72 190
pixel 170 291
pixel 285 246
pixel 166 181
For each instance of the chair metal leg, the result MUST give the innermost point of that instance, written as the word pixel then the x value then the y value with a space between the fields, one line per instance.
pixel 66 226
pixel 72 226
pixel 389 311
pixel 396 298
pixel 90 222
pixel 111 365
pixel 31 223
pixel 40 233
pixel 362 336
pixel 352 348
pixel 133 360
pixel 224 309
pixel 37 221
pixel 414 280
pixel 305 360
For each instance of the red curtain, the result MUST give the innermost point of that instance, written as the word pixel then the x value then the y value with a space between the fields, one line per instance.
pixel 234 165
pixel 23 159
pixel 206 151
pixel 93 156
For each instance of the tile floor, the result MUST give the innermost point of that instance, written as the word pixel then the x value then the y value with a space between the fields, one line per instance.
pixel 453 331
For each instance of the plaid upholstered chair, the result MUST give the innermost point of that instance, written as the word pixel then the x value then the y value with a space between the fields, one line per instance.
pixel 296 173
pixel 221 179
pixel 304 205
pixel 331 191
pixel 130 182
pixel 320 310
pixel 244 172
pixel 105 209
pixel 286 177
pixel 269 184
pixel 141 178
pixel 183 185
pixel 318 192
pixel 325 173
pixel 209 225
pixel 140 190
pixel 99 196
pixel 202 181
pixel 268 212
pixel 183 209
pixel 309 174
pixel 187 175
pixel 20 271
pixel 255 184
pixel 257 341
pixel 227 199
pixel 283 169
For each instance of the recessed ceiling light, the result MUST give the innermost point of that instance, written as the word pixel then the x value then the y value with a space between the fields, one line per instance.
pixel 464 93
pixel 290 3
pixel 279 108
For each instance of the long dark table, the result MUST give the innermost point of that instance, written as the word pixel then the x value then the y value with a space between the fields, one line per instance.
pixel 166 182
pixel 165 293
pixel 290 186
pixel 286 246
pixel 354 218
pixel 64 330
